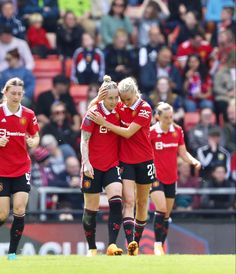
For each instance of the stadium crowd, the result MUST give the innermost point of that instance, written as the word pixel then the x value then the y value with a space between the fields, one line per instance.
pixel 180 52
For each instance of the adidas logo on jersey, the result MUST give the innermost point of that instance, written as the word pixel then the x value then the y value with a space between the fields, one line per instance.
pixel 3 120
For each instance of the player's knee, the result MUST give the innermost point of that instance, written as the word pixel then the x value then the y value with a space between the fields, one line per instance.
pixel 19 210
pixel 3 217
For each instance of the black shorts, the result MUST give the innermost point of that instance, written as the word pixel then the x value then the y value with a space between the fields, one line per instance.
pixel 101 180
pixel 142 173
pixel 169 190
pixel 10 186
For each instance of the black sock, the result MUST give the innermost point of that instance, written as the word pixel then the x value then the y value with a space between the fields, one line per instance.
pixel 158 225
pixel 165 230
pixel 89 224
pixel 16 232
pixel 139 227
pixel 128 224
pixel 115 218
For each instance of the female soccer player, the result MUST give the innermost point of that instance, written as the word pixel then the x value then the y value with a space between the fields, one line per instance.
pixel 167 140
pixel 136 158
pixel 99 149
pixel 18 129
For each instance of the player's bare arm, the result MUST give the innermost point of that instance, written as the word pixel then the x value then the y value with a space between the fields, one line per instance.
pixel 4 141
pixel 33 141
pixel 87 167
pixel 187 157
pixel 124 132
pixel 102 92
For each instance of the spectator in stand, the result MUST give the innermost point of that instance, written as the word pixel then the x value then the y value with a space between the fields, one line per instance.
pixel 59 92
pixel 183 31
pixel 163 67
pixel 224 86
pixel 36 36
pixel 148 54
pixel 230 128
pixel 187 180
pixel 233 167
pixel 163 93
pixel 69 35
pixel 115 20
pixel 226 23
pixel 88 62
pixel 196 44
pixel 153 15
pixel 71 179
pixel 179 7
pixel 47 8
pixel 15 69
pixel 197 85
pixel 118 59
pixel 217 180
pixel 226 44
pixel 213 154
pixel 9 42
pixel 8 18
pixel 198 136
pixel 58 153
pixel 60 126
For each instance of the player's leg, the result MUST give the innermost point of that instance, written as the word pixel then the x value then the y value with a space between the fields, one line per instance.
pixel 91 189
pixel 145 176
pixel 4 200
pixel 20 188
pixel 113 187
pixel 142 197
pixel 4 209
pixel 91 206
pixel 159 200
pixel 20 200
pixel 170 192
pixel 128 195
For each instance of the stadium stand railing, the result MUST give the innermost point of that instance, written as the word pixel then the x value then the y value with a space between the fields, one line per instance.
pixel 44 191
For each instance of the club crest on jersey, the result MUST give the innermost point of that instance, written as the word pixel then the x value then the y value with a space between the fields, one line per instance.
pixel 155 184
pixel 23 121
pixel 87 184
pixel 174 134
pixel 134 113
pixel 102 129
pixel 1 187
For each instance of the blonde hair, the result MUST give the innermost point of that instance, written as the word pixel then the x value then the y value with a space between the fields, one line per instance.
pixel 128 84
pixel 108 83
pixel 13 82
pixel 35 17
pixel 162 106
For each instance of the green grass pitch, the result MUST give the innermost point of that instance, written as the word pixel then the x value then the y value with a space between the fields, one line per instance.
pixel 143 264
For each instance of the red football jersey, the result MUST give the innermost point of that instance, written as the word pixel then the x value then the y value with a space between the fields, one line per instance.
pixel 136 149
pixel 103 144
pixel 165 147
pixel 185 49
pixel 14 157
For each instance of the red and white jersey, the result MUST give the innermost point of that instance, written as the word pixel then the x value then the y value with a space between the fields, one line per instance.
pixel 14 157
pixel 165 147
pixel 136 149
pixel 103 144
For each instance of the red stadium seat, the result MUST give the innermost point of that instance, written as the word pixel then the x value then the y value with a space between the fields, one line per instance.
pixel 190 120
pixel 47 68
pixel 42 84
pixel 79 92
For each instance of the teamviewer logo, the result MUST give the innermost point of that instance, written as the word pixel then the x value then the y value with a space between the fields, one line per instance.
pixel 3 132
